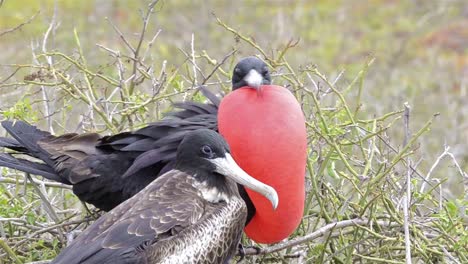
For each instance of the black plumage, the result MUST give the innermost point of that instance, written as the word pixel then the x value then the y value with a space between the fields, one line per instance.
pixel 191 214
pixel 105 171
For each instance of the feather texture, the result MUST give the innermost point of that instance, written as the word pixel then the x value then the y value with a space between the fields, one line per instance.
pixel 167 222
pixel 105 171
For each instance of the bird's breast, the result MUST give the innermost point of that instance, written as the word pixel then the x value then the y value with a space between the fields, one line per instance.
pixel 214 239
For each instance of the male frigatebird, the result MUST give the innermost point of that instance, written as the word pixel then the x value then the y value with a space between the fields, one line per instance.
pixel 191 214
pixel 90 162
pixel 268 116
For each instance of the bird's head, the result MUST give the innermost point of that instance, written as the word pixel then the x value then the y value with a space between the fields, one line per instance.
pixel 206 155
pixel 252 72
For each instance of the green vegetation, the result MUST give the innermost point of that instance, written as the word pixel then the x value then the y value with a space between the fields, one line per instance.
pixel 351 64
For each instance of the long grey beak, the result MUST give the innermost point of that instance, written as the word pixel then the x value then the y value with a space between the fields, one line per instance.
pixel 254 79
pixel 229 168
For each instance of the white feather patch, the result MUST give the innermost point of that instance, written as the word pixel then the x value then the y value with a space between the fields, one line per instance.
pixel 211 194
pixel 253 79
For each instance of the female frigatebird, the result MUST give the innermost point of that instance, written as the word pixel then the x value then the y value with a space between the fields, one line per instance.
pixel 191 214
pixel 262 123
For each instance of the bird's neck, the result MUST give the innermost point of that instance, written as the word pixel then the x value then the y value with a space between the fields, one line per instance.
pixel 218 191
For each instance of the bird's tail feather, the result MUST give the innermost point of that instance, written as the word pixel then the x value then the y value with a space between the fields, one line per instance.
pixel 12 144
pixel 27 137
pixel 9 161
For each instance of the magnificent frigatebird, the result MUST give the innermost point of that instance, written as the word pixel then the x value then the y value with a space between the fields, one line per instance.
pixel 264 121
pixel 191 214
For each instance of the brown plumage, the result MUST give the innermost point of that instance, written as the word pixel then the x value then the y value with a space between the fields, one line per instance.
pixel 192 214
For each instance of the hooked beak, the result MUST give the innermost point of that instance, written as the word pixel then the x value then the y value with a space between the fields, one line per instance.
pixel 254 79
pixel 229 168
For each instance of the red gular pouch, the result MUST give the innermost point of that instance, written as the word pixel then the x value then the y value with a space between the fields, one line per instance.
pixel 267 135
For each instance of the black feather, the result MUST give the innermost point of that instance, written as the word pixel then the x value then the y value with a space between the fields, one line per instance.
pixel 7 160
pixel 11 144
pixel 211 96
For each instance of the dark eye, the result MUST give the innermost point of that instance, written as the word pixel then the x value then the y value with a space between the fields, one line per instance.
pixel 237 70
pixel 265 71
pixel 207 151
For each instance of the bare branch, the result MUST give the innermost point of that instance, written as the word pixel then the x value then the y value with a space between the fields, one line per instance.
pixel 121 35
pixel 218 65
pixel 35 181
pixel 446 152
pixel 136 52
pixel 20 25
pixel 49 209
pixel 407 197
pixel 321 232
pixel 192 45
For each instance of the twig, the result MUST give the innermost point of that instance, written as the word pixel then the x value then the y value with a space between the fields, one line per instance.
pixel 406 116
pixel 436 163
pixel 450 256
pixel 49 60
pixel 150 44
pixel 20 25
pixel 194 65
pixel 9 252
pixel 47 205
pixel 10 76
pixel 406 227
pixel 218 65
pixel 35 181
pixel 400 155
pixel 244 38
pixel 407 198
pixel 121 35
pixel 140 42
pixel 49 228
pixel 192 46
pixel 323 231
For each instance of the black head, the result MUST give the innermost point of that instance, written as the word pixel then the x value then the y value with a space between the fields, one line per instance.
pixel 205 155
pixel 250 71
pixel 197 149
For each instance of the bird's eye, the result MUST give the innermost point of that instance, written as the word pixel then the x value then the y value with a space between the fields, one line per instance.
pixel 237 70
pixel 265 71
pixel 207 151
